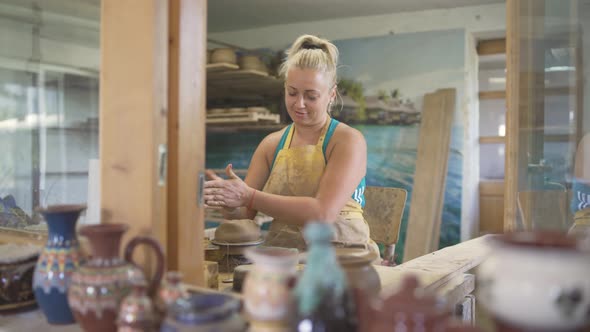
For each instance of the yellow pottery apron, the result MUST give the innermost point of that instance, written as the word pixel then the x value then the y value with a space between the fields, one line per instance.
pixel 297 172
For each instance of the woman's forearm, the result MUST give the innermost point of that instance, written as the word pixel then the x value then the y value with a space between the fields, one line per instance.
pixel 296 210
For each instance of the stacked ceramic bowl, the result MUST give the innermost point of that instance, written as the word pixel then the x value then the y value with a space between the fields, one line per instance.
pixel 252 62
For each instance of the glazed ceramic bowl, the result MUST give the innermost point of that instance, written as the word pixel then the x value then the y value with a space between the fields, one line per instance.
pixel 537 281
pixel 223 55
pixel 205 313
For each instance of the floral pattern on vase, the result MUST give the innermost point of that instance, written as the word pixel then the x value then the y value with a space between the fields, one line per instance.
pixel 58 260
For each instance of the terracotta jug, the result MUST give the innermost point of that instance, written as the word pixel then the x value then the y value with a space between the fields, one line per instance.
pixel 360 273
pixel 99 286
pixel 410 309
pixel 57 262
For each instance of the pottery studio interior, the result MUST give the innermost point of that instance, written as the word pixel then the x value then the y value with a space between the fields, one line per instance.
pixel 180 165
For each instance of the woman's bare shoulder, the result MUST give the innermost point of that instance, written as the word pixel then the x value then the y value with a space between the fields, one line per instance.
pixel 345 132
pixel 271 141
pixel 346 136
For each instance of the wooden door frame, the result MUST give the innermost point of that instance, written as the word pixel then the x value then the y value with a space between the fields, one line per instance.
pixel 186 137
pixel 152 124
pixel 132 125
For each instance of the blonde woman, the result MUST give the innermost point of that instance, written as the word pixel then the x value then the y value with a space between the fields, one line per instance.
pixel 312 170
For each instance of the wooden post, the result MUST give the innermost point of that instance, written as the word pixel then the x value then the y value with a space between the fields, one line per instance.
pixel 186 137
pixel 133 101
pixel 430 175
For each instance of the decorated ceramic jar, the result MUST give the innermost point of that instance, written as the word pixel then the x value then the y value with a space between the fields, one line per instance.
pixel 137 312
pixel 60 257
pixel 170 290
pixel 267 287
pixel 536 281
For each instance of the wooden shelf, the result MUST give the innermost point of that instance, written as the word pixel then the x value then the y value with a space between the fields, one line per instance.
pixel 231 128
pixel 227 81
pixel 490 47
pixel 492 94
pixel 546 137
pixel 492 139
pixel 555 91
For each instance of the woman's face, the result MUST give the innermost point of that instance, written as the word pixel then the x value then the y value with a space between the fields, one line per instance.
pixel 307 95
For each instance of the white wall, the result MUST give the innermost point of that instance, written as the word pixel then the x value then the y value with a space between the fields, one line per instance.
pixel 478 20
pixel 470 112
pixel 49 44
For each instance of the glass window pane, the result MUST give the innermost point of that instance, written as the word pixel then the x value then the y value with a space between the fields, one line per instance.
pixel 491 161
pixel 48 106
pixel 553 112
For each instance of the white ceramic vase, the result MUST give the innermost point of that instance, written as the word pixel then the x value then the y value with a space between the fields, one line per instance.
pixel 267 287
pixel 536 281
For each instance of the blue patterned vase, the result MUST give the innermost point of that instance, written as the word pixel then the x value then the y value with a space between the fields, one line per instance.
pixel 60 257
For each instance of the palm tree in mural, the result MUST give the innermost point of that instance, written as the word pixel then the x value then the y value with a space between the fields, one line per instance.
pixel 383 95
pixel 354 90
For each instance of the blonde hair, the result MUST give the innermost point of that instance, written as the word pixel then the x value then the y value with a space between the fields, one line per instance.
pixel 311 52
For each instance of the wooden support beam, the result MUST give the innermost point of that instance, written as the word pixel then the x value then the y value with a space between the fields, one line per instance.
pixel 492 140
pixel 186 136
pixel 133 102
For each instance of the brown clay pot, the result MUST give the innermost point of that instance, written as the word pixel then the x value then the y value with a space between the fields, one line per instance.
pixel 100 285
pixel 360 273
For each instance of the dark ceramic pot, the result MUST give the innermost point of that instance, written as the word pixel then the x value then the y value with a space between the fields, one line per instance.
pixel 58 260
pixel 17 265
pixel 100 285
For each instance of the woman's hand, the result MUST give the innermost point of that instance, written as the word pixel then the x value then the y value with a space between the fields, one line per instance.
pixel 227 193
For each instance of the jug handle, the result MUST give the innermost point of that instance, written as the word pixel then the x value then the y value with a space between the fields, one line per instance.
pixel 150 242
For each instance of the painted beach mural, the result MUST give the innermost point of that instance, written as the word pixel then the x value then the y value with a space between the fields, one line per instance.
pixel 382 83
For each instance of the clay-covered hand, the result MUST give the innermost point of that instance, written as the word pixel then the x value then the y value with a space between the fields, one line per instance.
pixel 232 192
